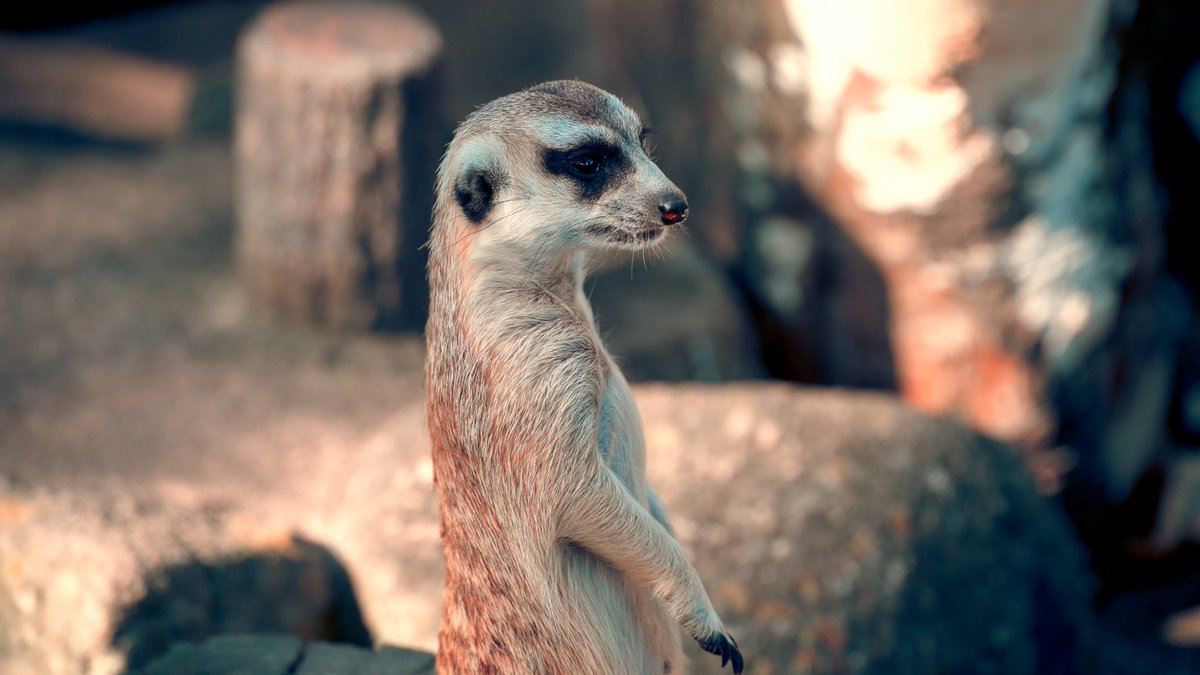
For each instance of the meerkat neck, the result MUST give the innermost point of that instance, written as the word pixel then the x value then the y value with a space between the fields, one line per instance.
pixel 561 273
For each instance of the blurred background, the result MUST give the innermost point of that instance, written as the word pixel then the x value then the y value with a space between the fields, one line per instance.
pixel 982 209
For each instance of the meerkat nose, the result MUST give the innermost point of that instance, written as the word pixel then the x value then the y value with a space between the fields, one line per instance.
pixel 673 210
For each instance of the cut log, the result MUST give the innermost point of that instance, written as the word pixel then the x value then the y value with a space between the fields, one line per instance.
pixel 92 90
pixel 320 126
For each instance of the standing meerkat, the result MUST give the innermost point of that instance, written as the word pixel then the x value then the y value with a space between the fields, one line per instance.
pixel 559 558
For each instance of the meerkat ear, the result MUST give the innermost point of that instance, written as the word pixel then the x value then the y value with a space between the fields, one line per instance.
pixel 475 190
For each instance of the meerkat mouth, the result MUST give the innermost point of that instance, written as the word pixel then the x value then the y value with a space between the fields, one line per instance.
pixel 620 236
pixel 650 234
pixel 637 238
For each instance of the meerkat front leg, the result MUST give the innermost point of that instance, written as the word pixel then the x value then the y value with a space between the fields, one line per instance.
pixel 603 517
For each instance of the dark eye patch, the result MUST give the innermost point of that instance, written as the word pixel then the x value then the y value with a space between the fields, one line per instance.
pixel 593 165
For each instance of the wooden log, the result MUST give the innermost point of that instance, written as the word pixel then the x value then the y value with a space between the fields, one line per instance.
pixel 92 90
pixel 320 186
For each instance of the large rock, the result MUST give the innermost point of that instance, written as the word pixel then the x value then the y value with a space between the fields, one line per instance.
pixel 837 532
pixel 842 532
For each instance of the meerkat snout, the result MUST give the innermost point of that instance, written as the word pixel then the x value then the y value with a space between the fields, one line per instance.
pixel 674 209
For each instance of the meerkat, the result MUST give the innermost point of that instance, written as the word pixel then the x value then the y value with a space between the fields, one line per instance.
pixel 559 557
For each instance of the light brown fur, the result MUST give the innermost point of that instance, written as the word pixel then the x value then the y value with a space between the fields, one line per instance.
pixel 558 557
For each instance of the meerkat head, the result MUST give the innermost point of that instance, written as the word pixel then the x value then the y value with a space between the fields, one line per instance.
pixel 559 166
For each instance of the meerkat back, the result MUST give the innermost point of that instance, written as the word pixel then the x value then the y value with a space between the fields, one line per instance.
pixel 559 558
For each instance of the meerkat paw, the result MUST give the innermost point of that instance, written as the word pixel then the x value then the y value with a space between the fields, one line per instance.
pixel 722 643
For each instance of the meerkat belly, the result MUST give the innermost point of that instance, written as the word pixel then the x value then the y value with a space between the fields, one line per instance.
pixel 630 627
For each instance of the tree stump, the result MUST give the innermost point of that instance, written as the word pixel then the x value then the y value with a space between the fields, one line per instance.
pixel 327 94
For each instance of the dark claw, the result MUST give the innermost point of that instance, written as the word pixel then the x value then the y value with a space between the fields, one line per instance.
pixel 726 647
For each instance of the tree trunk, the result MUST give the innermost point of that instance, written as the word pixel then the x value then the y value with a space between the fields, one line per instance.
pixel 927 189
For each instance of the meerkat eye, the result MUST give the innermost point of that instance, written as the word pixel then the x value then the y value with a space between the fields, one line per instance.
pixel 585 163
pixel 593 165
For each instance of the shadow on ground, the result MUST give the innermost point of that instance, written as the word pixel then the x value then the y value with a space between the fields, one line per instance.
pixel 302 590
